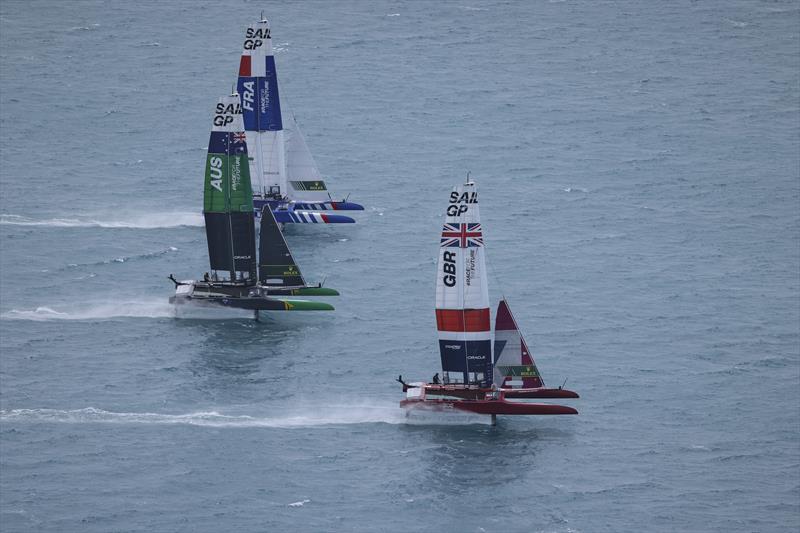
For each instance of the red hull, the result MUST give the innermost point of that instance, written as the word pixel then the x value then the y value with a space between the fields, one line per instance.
pixel 540 393
pixel 490 407
pixel 459 391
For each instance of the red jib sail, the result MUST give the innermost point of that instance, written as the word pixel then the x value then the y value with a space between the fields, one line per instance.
pixel 514 366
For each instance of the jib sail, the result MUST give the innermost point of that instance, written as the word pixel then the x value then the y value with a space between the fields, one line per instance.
pixel 301 171
pixel 514 366
pixel 228 195
pixel 462 297
pixel 276 266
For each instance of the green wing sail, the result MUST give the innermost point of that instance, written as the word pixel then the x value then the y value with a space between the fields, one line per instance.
pixel 227 185
pixel 228 195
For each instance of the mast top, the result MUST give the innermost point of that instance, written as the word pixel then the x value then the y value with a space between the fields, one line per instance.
pixel 469 181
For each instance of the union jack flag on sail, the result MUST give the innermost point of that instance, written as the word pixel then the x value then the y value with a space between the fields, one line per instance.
pixel 461 235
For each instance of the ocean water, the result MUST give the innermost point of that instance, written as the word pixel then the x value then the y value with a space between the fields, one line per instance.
pixel 639 171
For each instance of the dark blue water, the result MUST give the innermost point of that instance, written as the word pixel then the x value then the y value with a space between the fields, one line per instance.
pixel 639 173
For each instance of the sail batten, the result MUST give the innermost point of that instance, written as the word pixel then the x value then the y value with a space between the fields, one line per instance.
pixel 462 296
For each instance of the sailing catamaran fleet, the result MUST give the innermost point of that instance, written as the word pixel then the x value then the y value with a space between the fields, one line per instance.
pixel 260 175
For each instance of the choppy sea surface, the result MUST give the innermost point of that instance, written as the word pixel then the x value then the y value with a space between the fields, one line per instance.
pixel 640 188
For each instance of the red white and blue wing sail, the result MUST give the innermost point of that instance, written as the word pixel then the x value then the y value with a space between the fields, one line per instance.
pixel 513 366
pixel 261 111
pixel 462 295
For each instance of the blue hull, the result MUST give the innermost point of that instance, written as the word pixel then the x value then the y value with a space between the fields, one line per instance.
pixel 309 217
pixel 329 206
pixel 296 214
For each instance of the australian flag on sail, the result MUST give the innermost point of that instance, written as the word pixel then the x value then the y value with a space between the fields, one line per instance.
pixel 461 235
pixel 228 143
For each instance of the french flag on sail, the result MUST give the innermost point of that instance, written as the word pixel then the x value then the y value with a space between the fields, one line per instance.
pixel 258 87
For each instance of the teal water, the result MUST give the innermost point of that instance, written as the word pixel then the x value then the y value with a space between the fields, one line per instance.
pixel 640 186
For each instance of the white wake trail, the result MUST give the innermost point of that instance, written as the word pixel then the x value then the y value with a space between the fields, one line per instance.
pixel 135 221
pixel 160 308
pixel 326 416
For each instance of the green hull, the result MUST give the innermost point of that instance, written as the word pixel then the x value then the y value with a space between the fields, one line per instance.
pixel 315 291
pixel 306 305
pixel 302 291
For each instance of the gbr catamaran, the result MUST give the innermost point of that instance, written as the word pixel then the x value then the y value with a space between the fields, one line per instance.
pixel 285 175
pixel 234 282
pixel 472 380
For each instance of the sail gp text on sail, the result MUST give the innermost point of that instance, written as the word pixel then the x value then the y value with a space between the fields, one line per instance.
pixel 225 113
pixel 254 37
pixel 465 198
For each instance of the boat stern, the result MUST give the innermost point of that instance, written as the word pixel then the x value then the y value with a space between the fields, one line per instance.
pixel 183 292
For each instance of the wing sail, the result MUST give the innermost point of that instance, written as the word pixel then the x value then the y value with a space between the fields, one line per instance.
pixel 261 110
pixel 462 297
pixel 228 195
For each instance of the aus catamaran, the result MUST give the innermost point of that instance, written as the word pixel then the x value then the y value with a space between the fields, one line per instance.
pixel 472 380
pixel 285 176
pixel 234 281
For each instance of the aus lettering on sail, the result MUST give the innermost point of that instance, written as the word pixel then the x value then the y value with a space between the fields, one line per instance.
pixel 224 114
pixel 459 203
pixel 215 172
pixel 255 37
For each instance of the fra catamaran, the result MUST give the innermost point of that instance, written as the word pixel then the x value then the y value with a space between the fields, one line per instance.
pixel 230 232
pixel 285 175
pixel 471 380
